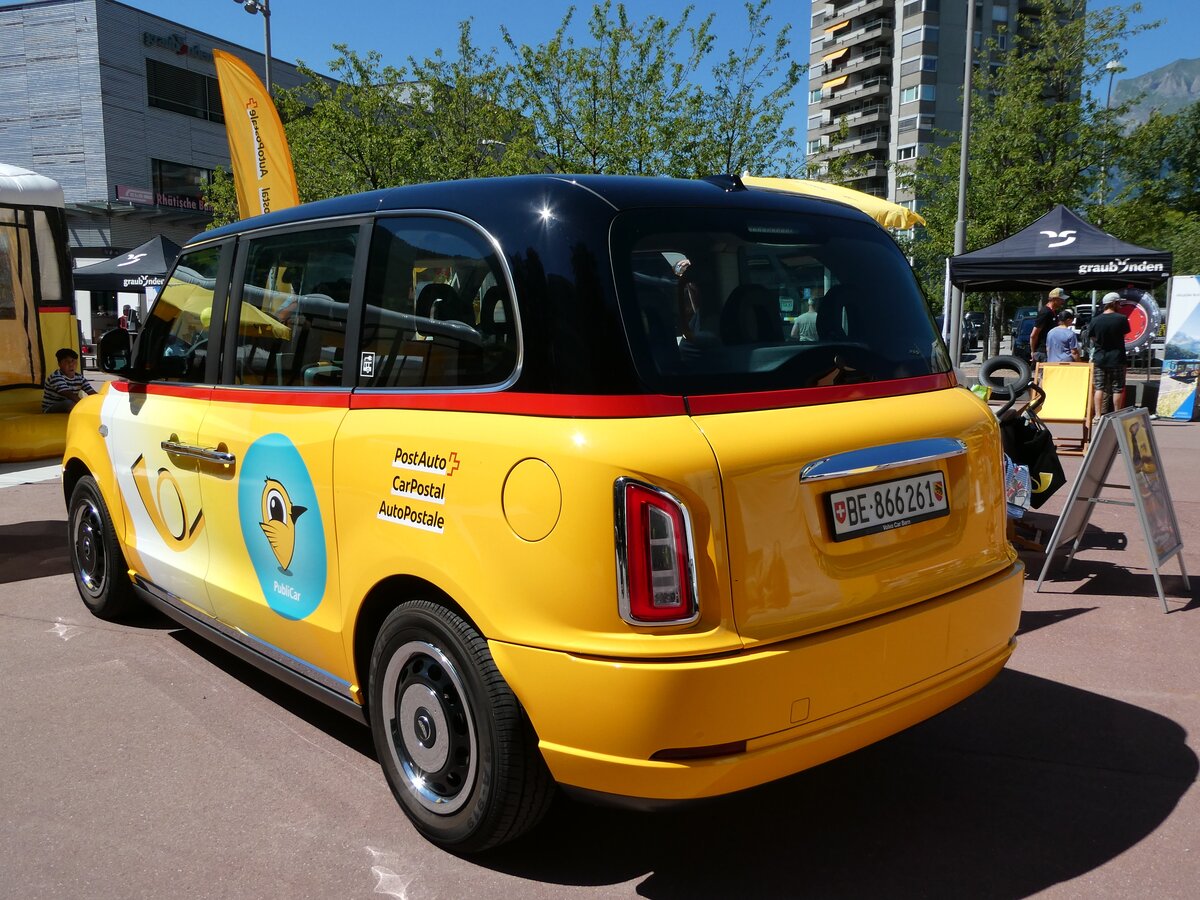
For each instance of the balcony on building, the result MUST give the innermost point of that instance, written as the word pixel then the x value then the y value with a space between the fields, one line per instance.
pixel 856 117
pixel 850 34
pixel 843 61
pixel 848 9
pixel 840 92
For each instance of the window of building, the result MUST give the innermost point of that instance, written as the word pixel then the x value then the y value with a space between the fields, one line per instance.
pixel 907 152
pixel 913 123
pixel 815 122
pixel 183 91
pixel 926 34
pixel 813 147
pixel 814 96
pixel 178 185
pixel 999 13
pixel 918 64
pixel 918 92
pixel 916 7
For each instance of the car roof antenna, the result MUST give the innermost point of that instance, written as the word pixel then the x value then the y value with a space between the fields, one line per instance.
pixel 727 183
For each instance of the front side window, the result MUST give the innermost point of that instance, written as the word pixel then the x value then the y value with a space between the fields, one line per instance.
pixel 173 342
pixel 438 311
pixel 735 301
pixel 291 328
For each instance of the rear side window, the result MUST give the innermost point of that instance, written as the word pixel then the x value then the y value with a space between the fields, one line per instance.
pixel 291 324
pixel 734 301
pixel 438 311
pixel 173 343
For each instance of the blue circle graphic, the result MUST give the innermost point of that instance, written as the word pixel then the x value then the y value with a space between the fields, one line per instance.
pixel 282 526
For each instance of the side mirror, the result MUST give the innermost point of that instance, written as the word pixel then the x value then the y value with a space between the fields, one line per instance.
pixel 114 351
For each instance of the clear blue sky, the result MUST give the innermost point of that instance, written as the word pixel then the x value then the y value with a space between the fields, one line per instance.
pixel 307 29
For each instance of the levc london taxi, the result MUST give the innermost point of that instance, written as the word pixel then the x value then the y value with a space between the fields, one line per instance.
pixel 653 489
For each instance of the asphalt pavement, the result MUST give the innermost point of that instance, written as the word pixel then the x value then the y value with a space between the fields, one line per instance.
pixel 136 760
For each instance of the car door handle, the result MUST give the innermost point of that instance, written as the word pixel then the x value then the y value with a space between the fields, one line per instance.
pixel 204 454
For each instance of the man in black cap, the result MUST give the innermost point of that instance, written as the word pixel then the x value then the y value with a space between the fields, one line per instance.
pixel 1107 334
pixel 1046 319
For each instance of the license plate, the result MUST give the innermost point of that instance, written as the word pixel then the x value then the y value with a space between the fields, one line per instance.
pixel 888 505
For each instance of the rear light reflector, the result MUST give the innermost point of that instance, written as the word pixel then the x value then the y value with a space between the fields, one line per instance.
pixel 655 562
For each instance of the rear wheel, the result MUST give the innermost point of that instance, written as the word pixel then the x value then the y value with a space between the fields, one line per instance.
pixel 97 562
pixel 458 752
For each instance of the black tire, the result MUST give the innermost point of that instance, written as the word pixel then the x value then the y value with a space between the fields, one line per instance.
pixel 1004 389
pixel 97 561
pixel 458 751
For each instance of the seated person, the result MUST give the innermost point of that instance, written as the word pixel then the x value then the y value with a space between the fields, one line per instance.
pixel 64 386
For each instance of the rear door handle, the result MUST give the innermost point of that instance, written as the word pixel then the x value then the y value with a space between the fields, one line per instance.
pixel 204 454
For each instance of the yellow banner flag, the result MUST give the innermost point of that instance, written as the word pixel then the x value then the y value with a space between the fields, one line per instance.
pixel 262 163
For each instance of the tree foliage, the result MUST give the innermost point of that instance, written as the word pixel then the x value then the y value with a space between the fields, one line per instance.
pixel 1040 130
pixel 625 97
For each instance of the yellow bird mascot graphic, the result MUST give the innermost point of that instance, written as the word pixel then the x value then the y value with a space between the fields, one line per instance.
pixel 279 522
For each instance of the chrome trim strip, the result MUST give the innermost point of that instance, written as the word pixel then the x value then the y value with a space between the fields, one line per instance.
pixel 881 458
pixel 621 541
pixel 313 682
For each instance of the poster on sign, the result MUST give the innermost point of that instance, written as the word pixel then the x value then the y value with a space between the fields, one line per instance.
pixel 1181 353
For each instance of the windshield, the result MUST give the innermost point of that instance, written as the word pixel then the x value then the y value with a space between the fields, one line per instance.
pixel 733 301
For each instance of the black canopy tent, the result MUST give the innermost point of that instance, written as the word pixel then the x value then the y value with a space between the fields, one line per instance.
pixel 142 267
pixel 1059 250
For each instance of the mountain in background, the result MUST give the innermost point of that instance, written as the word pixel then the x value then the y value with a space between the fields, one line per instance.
pixel 1167 89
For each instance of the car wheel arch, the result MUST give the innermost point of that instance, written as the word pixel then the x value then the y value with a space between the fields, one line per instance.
pixel 378 604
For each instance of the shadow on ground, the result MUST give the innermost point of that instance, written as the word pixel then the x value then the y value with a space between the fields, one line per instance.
pixel 1027 784
pixel 33 550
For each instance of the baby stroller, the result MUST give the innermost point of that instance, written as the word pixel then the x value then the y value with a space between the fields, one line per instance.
pixel 1033 472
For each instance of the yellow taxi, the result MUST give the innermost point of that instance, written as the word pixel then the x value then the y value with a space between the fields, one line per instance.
pixel 652 489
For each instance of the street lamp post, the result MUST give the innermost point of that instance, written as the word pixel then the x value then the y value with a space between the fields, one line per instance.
pixel 1112 67
pixel 954 312
pixel 264 7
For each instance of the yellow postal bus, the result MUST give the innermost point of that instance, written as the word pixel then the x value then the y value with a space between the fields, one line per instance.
pixel 530 475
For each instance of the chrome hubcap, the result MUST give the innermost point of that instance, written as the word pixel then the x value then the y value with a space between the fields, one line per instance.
pixel 91 564
pixel 430 733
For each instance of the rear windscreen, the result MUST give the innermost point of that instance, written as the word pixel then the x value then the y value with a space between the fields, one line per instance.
pixel 725 301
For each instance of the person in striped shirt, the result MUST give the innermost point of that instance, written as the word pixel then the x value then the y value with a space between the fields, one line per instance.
pixel 65 386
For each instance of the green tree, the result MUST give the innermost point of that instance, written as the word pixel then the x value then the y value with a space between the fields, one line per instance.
pixel 1038 133
pixel 1158 203
pixel 626 100
pixel 465 127
pixel 622 103
pixel 742 123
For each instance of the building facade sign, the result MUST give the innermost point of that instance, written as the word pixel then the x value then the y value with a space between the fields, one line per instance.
pixel 177 44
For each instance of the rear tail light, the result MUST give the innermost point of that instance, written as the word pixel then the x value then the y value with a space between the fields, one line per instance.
pixel 655 561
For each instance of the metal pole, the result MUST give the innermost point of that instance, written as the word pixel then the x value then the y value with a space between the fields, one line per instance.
pixel 1113 68
pixel 265 6
pixel 955 314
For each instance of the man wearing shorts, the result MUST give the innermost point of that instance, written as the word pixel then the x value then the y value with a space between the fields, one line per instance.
pixel 1107 333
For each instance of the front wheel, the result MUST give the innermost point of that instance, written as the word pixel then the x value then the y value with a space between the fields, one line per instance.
pixel 96 558
pixel 458 752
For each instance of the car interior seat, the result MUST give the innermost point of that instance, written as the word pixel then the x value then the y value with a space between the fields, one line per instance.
pixel 750 316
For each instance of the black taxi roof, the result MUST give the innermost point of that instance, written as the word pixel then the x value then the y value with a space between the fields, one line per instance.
pixel 487 198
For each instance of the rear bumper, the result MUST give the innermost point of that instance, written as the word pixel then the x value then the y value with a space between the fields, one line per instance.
pixel 794 704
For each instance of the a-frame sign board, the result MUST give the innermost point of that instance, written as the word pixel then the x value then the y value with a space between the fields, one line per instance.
pixel 1129 433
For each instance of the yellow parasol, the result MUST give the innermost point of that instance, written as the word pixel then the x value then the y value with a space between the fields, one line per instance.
pixel 886 213
pixel 253 322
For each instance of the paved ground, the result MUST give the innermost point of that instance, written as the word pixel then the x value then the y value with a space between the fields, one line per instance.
pixel 137 761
